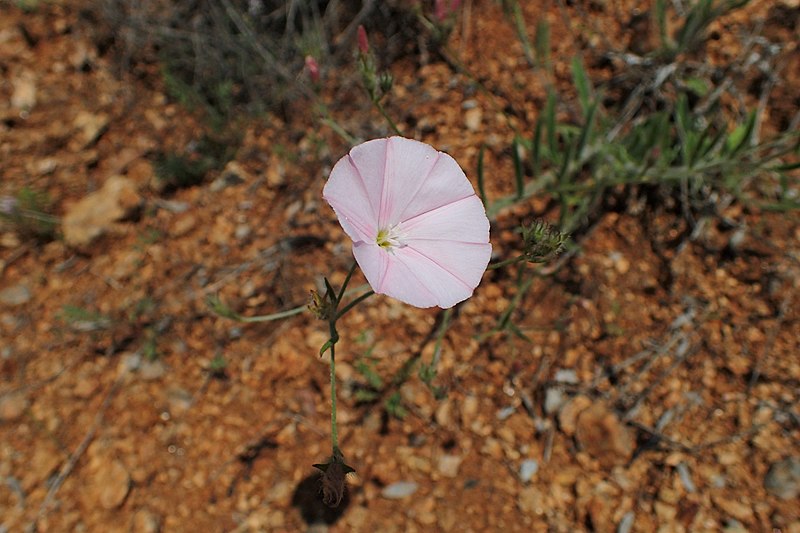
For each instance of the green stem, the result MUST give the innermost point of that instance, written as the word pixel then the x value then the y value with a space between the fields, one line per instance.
pixel 334 428
pixel 273 316
pixel 512 261
pixel 387 117
pixel 354 303
pixel 344 284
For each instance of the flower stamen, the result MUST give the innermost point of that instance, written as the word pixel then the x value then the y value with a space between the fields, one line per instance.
pixel 389 239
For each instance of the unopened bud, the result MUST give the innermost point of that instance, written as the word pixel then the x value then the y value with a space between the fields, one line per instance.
pixel 444 8
pixel 542 242
pixel 385 81
pixel 313 69
pixel 363 43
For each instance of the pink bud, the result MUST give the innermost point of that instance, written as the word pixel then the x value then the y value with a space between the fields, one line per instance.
pixel 363 44
pixel 313 68
pixel 445 8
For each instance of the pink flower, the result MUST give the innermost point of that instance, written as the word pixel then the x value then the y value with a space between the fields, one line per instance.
pixel 420 234
pixel 363 43
pixel 445 8
pixel 313 69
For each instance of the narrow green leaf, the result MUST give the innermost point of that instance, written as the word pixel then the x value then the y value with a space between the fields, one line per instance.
pixel 325 347
pixel 586 130
pixel 660 14
pixel 582 84
pixel 741 135
pixel 536 148
pixel 519 175
pixel 543 43
pixel 550 121
pixel 481 185
pixel 787 166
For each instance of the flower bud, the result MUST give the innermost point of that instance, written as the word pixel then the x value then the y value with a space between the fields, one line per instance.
pixel 363 43
pixel 313 69
pixel 542 242
pixel 385 81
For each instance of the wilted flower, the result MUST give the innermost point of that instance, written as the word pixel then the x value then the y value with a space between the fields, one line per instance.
pixel 334 478
pixel 320 306
pixel 420 233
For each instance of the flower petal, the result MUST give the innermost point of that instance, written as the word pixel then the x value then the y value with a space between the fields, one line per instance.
pixel 388 276
pixel 408 265
pixel 408 165
pixel 464 261
pixel 461 221
pixel 347 193
pixel 443 184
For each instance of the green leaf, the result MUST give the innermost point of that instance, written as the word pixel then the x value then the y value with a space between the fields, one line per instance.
pixel 543 43
pixel 481 187
pixel 586 130
pixel 366 370
pixel 582 84
pixel 741 135
pixel 519 174
pixel 550 122
pixel 536 147
pixel 325 347
pixel 698 86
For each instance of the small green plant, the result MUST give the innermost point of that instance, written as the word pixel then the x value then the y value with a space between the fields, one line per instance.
pixel 29 214
pixel 178 170
pixel 83 320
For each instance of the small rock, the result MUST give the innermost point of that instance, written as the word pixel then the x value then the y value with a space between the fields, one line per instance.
pixel 180 400
pixel 505 412
pixel 448 465
pixel 554 400
pixel 89 128
pixel 242 232
pixel 183 225
pixel 276 175
pixel 473 118
pixel 95 214
pixel 626 524
pixel 783 479
pixel 469 409
pixel 110 485
pixel 145 521
pixel 567 375
pixel 443 414
pixel 173 206
pixel 24 96
pixel 152 370
pixel 12 406
pixel 528 469
pixel 399 490
pixel 45 460
pixel 232 174
pixel 531 501
pixel 15 295
pixel 85 387
pixel 600 432
pixel 733 507
pixel 568 415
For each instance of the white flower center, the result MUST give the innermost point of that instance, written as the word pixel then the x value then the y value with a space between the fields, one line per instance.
pixel 390 238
